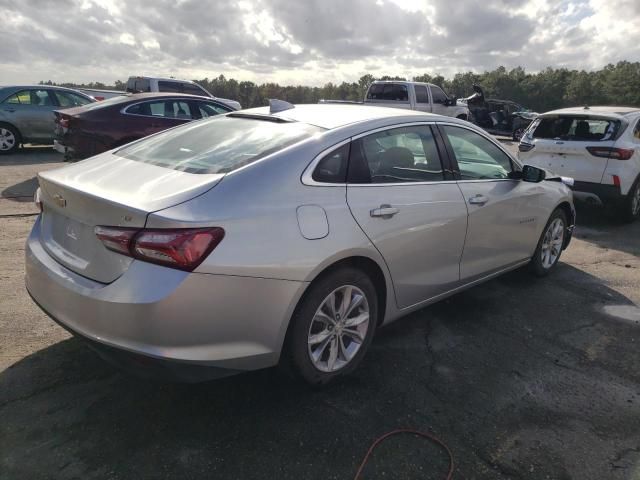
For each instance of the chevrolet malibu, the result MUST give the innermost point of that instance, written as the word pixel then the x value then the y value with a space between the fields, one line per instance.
pixel 282 235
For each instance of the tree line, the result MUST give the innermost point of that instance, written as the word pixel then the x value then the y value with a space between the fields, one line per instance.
pixel 546 90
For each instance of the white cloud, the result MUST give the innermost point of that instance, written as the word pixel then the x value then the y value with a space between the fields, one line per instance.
pixel 308 41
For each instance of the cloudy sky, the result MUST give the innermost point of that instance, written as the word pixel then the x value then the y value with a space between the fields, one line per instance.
pixel 307 41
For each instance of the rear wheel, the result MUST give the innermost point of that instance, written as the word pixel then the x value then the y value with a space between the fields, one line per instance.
pixel 549 248
pixel 630 208
pixel 333 326
pixel 9 139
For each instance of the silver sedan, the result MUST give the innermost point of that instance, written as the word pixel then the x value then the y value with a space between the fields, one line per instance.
pixel 282 235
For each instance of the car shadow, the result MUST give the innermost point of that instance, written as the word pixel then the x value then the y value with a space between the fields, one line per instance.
pixel 598 225
pixel 517 372
pixel 32 155
pixel 21 192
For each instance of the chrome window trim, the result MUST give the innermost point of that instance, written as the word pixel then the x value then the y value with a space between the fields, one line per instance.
pixel 307 175
pixel 123 110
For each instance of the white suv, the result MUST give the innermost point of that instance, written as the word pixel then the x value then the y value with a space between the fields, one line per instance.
pixel 599 147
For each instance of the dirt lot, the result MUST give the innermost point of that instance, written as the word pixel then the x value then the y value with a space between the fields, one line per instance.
pixel 521 377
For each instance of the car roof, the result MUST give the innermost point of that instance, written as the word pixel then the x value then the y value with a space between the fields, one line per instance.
pixel 164 79
pixel 405 82
pixel 612 111
pixel 332 116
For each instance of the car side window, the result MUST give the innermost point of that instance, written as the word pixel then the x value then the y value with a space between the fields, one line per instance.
pixel 421 94
pixel 477 157
pixel 163 108
pixel 333 166
pixel 172 87
pixel 397 155
pixel 31 97
pixel 68 99
pixel 210 109
pixel 636 131
pixel 192 89
pixel 437 94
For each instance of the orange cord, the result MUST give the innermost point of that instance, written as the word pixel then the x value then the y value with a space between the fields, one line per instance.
pixel 428 436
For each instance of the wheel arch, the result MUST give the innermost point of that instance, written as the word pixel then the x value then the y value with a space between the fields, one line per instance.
pixel 565 206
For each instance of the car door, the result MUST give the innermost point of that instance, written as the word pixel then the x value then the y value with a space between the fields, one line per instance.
pixel 505 214
pixel 438 100
pixel 416 217
pixel 422 98
pixel 31 111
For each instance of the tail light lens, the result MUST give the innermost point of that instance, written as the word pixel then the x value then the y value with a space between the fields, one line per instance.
pixel 611 152
pixel 183 248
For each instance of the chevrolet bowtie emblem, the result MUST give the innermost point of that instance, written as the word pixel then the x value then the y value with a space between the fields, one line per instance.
pixel 60 201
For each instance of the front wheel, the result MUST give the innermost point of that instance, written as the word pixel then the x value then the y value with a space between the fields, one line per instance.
pixel 333 326
pixel 9 139
pixel 549 248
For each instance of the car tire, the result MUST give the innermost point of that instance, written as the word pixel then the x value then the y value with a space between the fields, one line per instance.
pixel 549 248
pixel 320 349
pixel 630 206
pixel 9 139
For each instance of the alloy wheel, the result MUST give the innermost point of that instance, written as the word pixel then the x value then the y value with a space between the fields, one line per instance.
pixel 7 139
pixel 338 328
pixel 552 243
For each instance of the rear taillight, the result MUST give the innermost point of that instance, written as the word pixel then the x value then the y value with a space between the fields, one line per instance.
pixel 611 152
pixel 525 147
pixel 183 248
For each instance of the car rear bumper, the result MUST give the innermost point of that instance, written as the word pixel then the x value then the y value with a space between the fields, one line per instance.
pixel 596 192
pixel 164 321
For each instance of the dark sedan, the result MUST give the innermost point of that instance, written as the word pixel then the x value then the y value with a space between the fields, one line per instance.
pixel 92 129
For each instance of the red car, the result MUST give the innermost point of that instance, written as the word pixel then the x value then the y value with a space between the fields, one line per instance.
pixel 95 128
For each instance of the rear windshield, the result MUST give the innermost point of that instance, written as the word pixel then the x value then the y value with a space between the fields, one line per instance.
pixel 576 128
pixel 388 91
pixel 218 145
pixel 105 103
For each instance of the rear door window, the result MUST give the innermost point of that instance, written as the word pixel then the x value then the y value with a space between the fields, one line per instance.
pixel 69 99
pixel 217 145
pixel 173 87
pixel 193 89
pixel 421 94
pixel 397 155
pixel 206 109
pixel 576 128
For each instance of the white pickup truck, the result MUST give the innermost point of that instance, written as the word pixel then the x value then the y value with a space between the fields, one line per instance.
pixel 425 97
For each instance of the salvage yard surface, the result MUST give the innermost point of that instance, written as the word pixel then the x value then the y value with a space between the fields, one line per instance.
pixel 523 378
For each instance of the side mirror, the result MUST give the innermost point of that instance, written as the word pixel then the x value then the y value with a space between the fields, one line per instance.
pixel 533 174
pixel 451 102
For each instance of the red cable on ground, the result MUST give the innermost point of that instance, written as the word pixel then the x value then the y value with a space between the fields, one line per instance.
pixel 428 436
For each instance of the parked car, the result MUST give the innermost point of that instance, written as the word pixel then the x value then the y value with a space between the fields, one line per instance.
pixel 282 235
pixel 85 131
pixel 173 85
pixel 499 117
pixel 598 146
pixel 26 113
pixel 423 97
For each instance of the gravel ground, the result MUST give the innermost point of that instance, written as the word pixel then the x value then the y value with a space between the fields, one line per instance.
pixel 521 377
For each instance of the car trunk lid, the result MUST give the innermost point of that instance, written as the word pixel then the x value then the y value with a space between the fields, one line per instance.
pixel 106 190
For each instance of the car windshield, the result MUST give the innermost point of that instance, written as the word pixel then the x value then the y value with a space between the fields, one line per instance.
pixel 576 128
pixel 218 145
